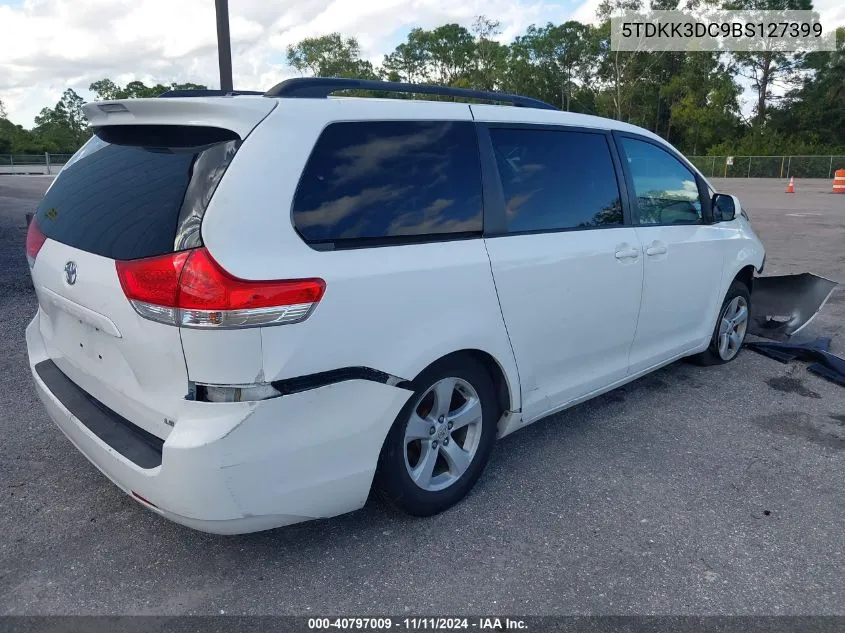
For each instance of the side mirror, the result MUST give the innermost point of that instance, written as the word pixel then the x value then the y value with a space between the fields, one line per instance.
pixel 725 207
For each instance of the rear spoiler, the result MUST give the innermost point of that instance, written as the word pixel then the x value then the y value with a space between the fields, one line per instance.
pixel 238 115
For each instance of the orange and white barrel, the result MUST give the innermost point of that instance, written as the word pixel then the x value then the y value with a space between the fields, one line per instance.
pixel 839 181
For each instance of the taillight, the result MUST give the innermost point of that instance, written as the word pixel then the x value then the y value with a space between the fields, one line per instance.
pixel 190 289
pixel 34 241
pixel 152 285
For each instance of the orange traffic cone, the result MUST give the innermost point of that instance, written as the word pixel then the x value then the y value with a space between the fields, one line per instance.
pixel 790 188
pixel 839 181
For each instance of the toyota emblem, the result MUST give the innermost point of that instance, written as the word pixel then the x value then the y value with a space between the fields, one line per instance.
pixel 70 273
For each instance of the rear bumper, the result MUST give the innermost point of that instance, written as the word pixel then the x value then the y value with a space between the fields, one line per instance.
pixel 231 468
pixel 132 442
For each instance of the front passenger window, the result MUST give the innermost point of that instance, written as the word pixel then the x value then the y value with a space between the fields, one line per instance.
pixel 666 189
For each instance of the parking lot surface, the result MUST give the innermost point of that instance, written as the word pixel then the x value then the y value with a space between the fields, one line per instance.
pixel 691 491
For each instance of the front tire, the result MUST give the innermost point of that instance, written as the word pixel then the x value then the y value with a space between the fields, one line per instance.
pixel 442 438
pixel 731 327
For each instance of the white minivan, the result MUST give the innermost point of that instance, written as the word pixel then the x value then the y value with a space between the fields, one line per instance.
pixel 254 309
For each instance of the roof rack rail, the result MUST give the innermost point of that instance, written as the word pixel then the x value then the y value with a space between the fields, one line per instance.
pixel 322 87
pixel 204 92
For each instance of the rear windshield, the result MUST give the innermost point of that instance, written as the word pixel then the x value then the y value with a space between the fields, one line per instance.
pixel 137 191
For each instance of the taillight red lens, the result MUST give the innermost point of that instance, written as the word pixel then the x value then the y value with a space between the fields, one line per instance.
pixel 154 279
pixel 34 241
pixel 206 286
pixel 207 295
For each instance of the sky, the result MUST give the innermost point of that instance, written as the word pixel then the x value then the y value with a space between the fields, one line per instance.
pixel 49 45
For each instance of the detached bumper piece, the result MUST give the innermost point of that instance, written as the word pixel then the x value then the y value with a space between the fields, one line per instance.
pixel 782 306
pixel 131 441
pixel 824 364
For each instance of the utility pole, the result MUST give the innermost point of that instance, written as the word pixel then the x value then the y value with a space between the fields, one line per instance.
pixel 224 46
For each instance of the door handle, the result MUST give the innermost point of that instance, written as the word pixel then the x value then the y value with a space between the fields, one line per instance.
pixel 628 253
pixel 657 249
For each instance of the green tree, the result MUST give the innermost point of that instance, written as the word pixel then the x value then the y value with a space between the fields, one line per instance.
pixel 71 103
pixel 139 90
pixel 702 103
pixel 451 52
pixel 409 61
pixel 62 128
pixel 627 78
pixel 14 139
pixel 816 109
pixel 330 56
pixel 7 129
pixel 107 90
pixel 490 56
pixel 690 99
pixel 768 71
pixel 559 60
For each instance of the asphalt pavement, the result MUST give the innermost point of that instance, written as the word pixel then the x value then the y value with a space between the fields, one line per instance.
pixel 691 491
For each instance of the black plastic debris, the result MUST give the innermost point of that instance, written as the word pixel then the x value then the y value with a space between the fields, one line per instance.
pixel 824 364
pixel 783 305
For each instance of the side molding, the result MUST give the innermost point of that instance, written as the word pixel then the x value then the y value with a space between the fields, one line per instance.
pixel 321 379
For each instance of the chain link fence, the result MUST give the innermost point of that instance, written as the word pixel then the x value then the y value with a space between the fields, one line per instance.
pixel 768 166
pixel 710 166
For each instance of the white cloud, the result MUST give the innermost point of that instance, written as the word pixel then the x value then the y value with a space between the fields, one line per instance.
pixel 586 11
pixel 49 45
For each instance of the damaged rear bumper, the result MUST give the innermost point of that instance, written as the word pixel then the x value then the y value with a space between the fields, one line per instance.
pixel 783 305
pixel 231 468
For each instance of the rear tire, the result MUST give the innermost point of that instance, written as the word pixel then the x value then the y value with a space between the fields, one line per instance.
pixel 442 438
pixel 731 327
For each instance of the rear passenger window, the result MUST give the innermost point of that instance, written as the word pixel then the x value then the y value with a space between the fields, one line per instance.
pixel 666 189
pixel 555 180
pixel 390 181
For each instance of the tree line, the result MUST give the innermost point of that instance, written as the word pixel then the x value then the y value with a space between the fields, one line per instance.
pixel 691 99
pixel 63 128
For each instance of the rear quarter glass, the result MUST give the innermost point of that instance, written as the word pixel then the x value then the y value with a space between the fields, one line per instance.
pixel 137 191
pixel 396 181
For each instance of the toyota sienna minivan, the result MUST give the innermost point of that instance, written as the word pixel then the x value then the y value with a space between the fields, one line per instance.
pixel 254 309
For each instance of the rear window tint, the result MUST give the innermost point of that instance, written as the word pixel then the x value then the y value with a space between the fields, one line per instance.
pixel 391 182
pixel 136 193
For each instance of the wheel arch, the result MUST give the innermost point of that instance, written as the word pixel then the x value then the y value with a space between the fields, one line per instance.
pixel 746 276
pixel 503 386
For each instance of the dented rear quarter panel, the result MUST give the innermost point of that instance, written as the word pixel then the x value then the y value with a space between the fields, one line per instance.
pixel 383 308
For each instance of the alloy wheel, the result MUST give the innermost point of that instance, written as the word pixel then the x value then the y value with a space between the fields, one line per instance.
pixel 732 327
pixel 443 434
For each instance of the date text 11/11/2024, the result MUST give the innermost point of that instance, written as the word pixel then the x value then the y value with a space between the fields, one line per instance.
pixel 417 624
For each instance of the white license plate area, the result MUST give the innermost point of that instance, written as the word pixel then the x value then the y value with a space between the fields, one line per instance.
pixel 77 339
